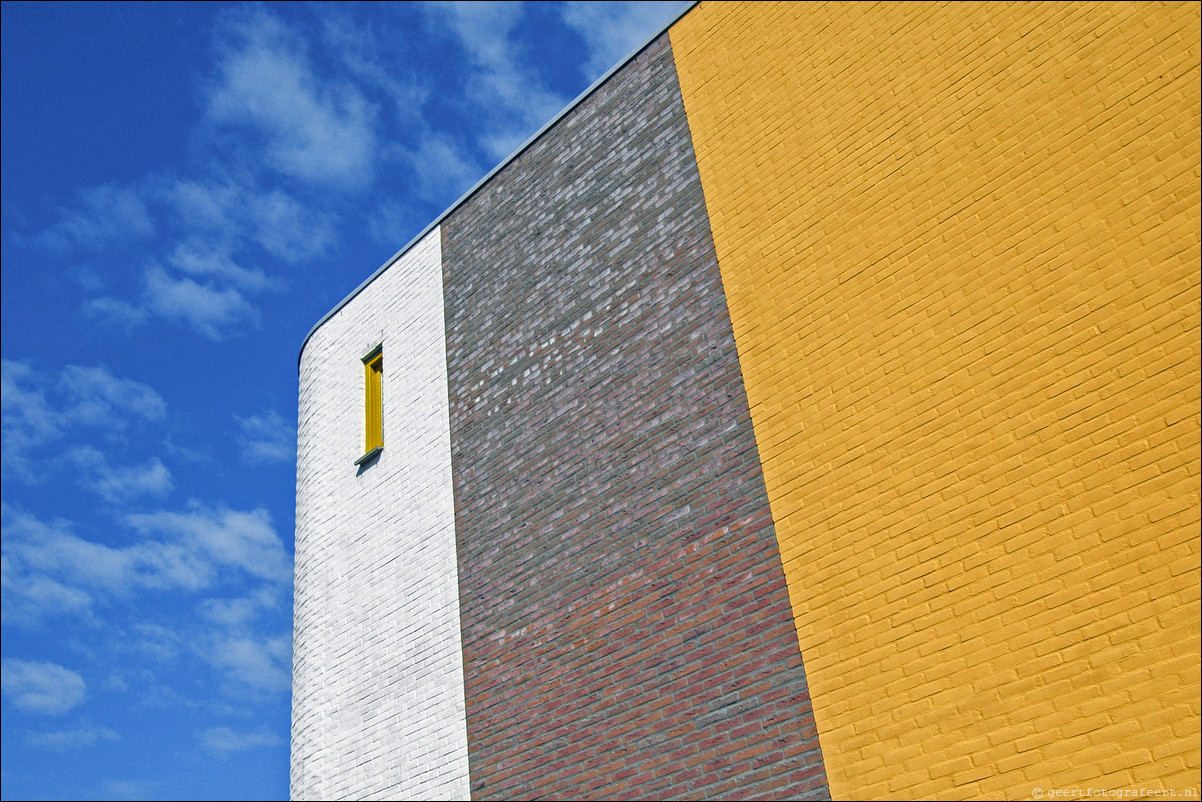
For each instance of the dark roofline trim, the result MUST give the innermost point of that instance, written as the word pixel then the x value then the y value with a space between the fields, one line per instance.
pixel 488 177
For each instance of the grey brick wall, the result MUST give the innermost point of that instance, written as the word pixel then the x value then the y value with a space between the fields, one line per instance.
pixel 625 620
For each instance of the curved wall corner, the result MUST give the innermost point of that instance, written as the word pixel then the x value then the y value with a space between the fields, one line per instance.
pixel 377 665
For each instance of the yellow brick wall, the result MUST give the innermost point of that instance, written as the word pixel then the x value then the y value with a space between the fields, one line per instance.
pixel 960 246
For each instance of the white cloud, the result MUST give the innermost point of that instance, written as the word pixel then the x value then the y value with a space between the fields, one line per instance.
pixel 222 218
pixel 211 242
pixel 267 438
pixel 26 418
pixel 156 640
pixel 225 740
pixel 318 132
pixel 442 167
pixel 612 29
pixel 133 789
pixel 262 665
pixel 109 215
pixel 121 483
pixel 49 570
pixel 211 311
pixel 238 613
pixel 31 597
pixel 98 398
pixel 40 687
pixel 38 408
pixel 200 258
pixel 206 270
pixel 374 61
pixel 392 224
pixel 242 540
pixel 79 738
pixel 39 551
pixel 287 229
pixel 500 82
pixel 116 311
pixel 204 207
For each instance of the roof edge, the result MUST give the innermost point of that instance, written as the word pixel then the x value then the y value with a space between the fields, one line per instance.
pixel 489 175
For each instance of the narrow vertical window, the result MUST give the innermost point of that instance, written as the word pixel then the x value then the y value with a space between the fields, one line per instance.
pixel 373 430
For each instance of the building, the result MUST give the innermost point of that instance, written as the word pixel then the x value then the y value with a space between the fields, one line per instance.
pixel 811 409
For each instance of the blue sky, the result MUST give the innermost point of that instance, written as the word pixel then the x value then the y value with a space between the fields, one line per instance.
pixel 187 189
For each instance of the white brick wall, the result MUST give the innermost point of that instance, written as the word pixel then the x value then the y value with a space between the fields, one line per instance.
pixel 377 708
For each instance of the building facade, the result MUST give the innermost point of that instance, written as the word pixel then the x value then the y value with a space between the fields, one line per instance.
pixel 812 409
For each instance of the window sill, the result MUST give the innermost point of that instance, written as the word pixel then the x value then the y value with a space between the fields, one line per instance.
pixel 370 455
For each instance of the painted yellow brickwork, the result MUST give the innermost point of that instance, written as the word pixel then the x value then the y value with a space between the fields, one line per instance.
pixel 960 246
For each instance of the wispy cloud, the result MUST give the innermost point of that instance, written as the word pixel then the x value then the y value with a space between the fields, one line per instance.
pixel 239 613
pixel 30 596
pixel 375 61
pixel 232 644
pixel 37 550
pixel 37 409
pixel 133 789
pixel 51 571
pixel 121 483
pixel 610 30
pixel 222 537
pixel 225 217
pixel 442 164
pixel 204 207
pixel 197 250
pixel 99 398
pixel 319 132
pixel 39 687
pixel 26 417
pixel 79 738
pixel 105 216
pixel 286 117
pixel 391 221
pixel 82 397
pixel 198 257
pixel 267 438
pixel 156 641
pixel 263 665
pixel 204 270
pixel 116 313
pixel 224 740
pixel 207 268
pixel 287 229
pixel 439 163
pixel 500 82
pixel 211 310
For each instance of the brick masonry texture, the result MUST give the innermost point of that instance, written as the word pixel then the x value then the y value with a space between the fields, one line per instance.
pixel 626 625
pixel 960 246
pixel 377 687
